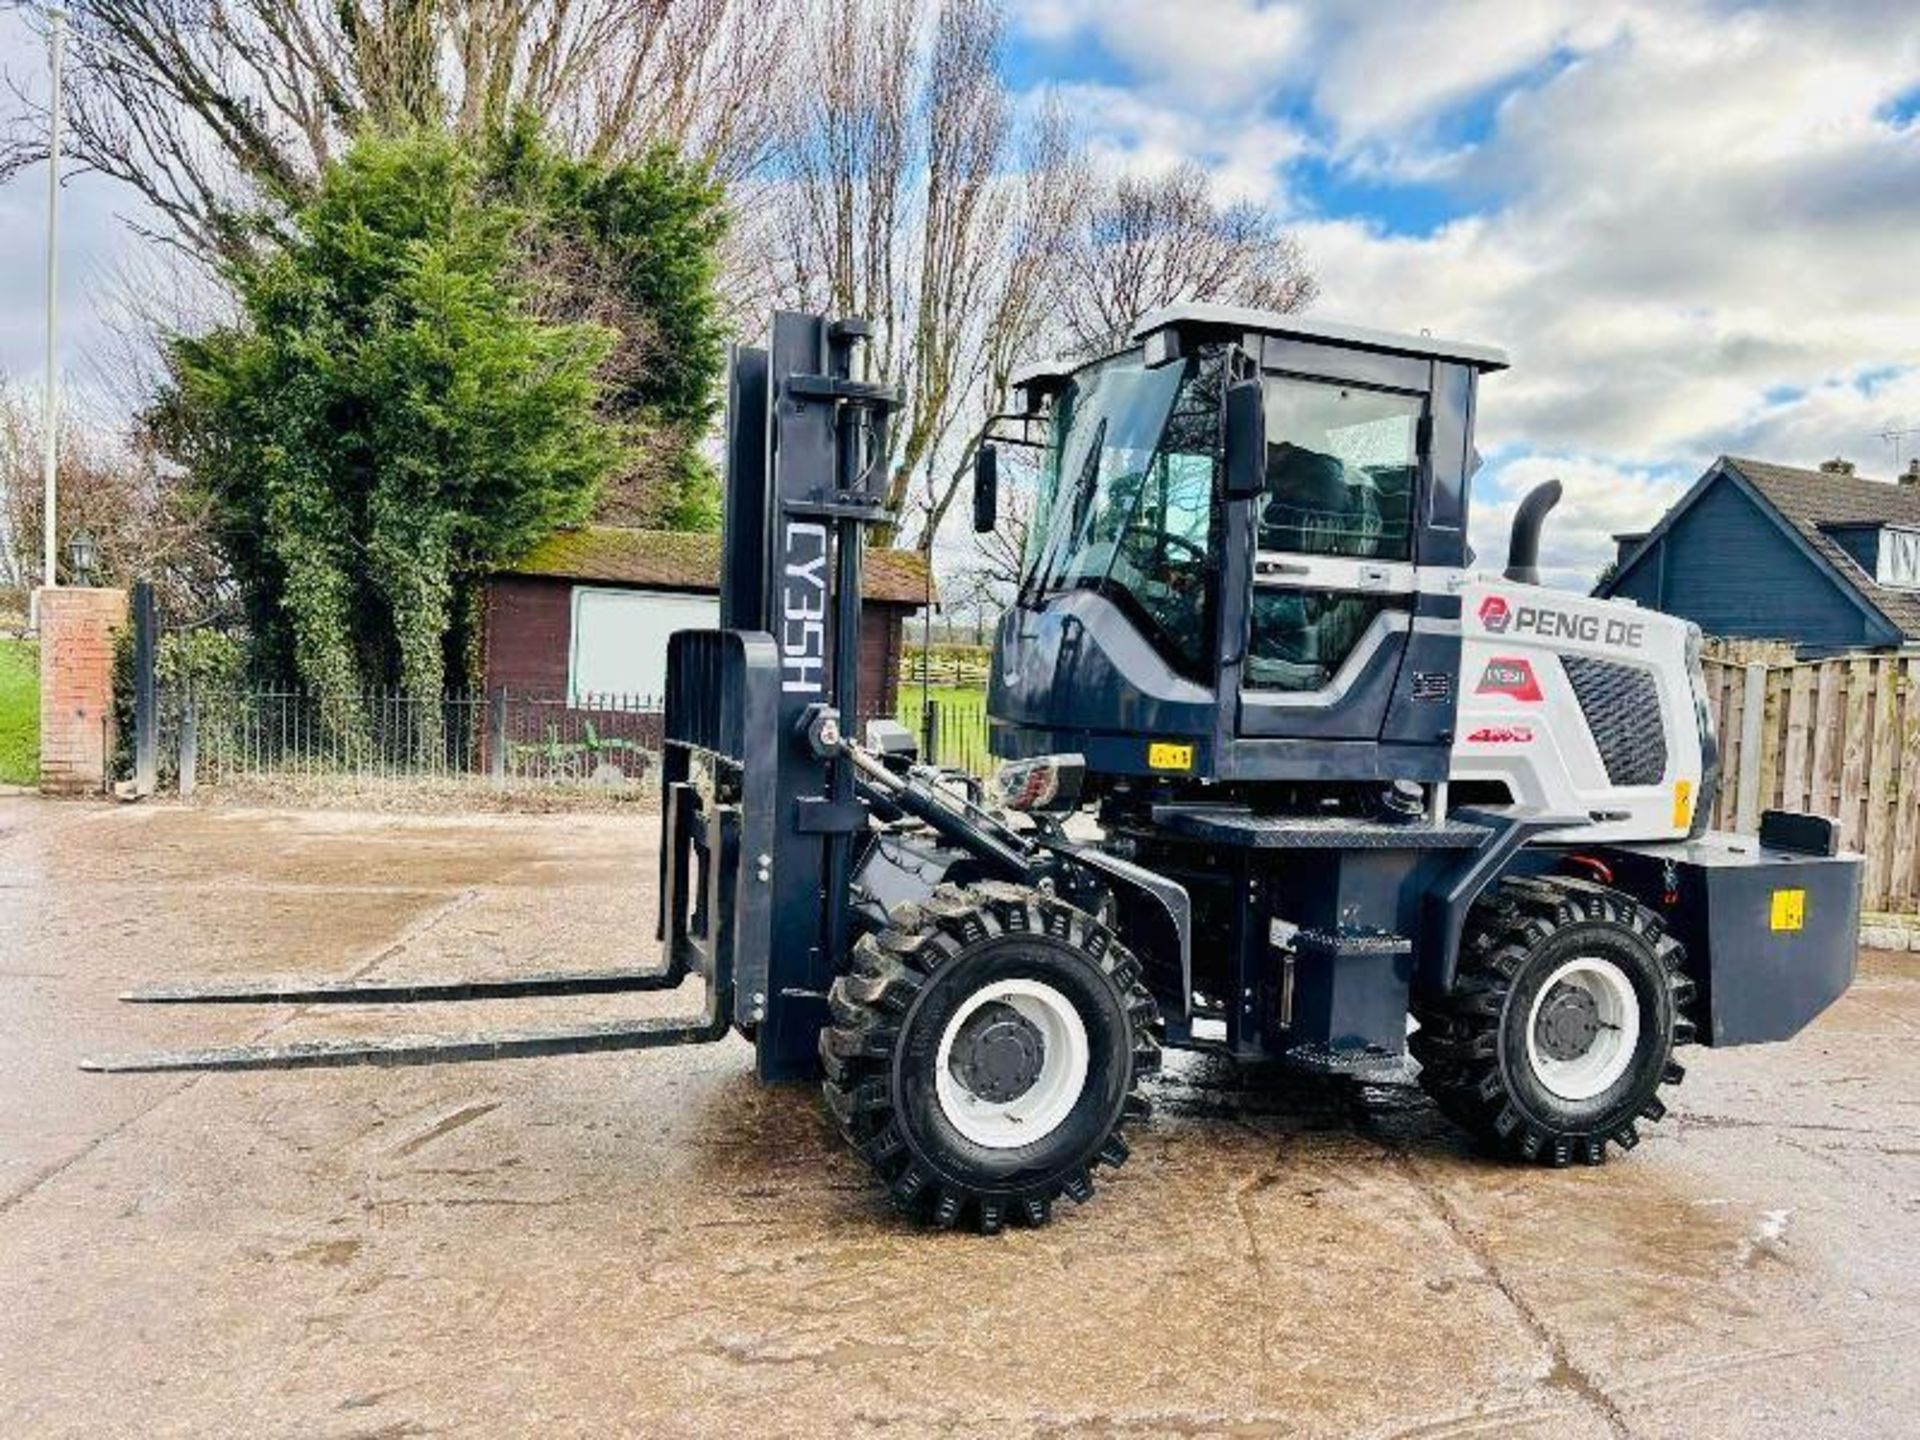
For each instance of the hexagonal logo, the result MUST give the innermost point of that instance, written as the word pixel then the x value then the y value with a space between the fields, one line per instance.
pixel 1495 615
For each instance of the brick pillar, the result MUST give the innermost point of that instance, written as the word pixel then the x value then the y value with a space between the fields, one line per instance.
pixel 76 686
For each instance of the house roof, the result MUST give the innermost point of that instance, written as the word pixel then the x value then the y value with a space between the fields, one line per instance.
pixel 684 560
pixel 1808 504
pixel 1811 500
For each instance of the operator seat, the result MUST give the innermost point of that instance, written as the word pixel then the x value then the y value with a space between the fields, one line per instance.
pixel 1314 506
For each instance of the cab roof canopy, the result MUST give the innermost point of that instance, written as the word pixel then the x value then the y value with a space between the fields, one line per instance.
pixel 1170 330
pixel 1195 320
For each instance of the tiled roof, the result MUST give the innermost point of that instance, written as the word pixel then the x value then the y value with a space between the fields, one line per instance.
pixel 681 560
pixel 1811 499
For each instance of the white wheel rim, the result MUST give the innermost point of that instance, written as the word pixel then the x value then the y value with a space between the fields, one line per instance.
pixel 1039 1110
pixel 1612 1047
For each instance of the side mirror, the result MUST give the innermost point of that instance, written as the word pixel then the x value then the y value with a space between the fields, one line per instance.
pixel 986 489
pixel 1246 439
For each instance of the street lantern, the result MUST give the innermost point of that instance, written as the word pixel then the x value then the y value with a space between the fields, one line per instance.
pixel 81 555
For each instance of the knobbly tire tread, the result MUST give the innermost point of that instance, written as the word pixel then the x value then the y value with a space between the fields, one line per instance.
pixel 869 1003
pixel 1457 1044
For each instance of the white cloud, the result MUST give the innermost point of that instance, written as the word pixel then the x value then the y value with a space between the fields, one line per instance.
pixel 1386 71
pixel 1130 132
pixel 1858 418
pixel 1209 54
pixel 1680 213
pixel 1694 222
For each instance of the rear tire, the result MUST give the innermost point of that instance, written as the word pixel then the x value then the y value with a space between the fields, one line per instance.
pixel 1561 1026
pixel 985 1052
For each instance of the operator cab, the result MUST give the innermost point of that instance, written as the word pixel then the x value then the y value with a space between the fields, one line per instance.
pixel 1244 556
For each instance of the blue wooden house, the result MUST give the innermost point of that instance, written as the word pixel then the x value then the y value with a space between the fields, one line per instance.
pixel 1825 559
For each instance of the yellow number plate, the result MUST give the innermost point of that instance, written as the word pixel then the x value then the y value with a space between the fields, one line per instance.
pixel 1789 910
pixel 1162 756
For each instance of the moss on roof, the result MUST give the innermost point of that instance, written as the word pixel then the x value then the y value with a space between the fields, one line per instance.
pixel 683 560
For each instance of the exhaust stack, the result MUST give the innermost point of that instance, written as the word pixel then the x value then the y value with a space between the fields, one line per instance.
pixel 1523 548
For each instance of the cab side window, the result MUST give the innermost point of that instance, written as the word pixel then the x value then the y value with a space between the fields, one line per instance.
pixel 1342 466
pixel 1164 563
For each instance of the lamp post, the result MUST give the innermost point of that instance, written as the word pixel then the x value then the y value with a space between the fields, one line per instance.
pixel 50 413
pixel 929 729
pixel 81 554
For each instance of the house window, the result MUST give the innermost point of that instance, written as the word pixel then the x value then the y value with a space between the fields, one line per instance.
pixel 1899 557
pixel 620 641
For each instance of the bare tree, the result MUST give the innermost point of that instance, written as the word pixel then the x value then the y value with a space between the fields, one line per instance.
pixel 205 106
pixel 1138 242
pixel 912 194
pixel 1149 241
pixel 145 523
pixel 1047 207
pixel 139 295
pixel 912 198
pixel 999 554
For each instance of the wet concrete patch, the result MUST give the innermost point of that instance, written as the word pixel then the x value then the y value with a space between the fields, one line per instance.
pixel 658 1244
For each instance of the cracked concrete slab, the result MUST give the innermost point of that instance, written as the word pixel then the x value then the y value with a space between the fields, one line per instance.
pixel 654 1243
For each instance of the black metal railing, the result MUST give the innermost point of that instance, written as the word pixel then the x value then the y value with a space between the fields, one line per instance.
pixel 213 735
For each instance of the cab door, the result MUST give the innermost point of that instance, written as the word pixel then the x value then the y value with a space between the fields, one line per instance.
pixel 1334 574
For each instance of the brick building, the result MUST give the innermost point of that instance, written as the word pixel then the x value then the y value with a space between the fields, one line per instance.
pixel 588 613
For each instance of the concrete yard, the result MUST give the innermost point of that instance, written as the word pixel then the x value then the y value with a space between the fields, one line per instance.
pixel 653 1244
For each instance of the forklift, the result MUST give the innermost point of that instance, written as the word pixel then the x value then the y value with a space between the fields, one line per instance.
pixel 1285 777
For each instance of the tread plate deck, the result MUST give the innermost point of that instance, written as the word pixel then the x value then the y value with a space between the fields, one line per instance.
pixel 1315 832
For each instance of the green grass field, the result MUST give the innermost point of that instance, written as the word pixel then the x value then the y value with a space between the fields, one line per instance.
pixel 967 697
pixel 19 712
pixel 963 722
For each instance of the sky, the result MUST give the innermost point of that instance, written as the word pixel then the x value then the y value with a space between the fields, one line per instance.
pixel 1695 227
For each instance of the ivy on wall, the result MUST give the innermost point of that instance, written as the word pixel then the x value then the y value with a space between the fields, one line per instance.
pixel 440 359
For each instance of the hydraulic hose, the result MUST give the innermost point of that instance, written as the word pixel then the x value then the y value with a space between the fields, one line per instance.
pixel 968 827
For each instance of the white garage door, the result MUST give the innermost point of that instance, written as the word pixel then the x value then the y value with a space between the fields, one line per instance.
pixel 620 640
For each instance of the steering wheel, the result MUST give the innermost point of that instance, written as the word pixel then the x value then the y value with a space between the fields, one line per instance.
pixel 1196 554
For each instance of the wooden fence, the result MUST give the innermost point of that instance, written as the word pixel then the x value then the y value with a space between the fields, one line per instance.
pixel 1831 737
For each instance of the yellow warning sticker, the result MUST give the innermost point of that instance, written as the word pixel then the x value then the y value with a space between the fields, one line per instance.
pixel 1789 910
pixel 1682 804
pixel 1164 756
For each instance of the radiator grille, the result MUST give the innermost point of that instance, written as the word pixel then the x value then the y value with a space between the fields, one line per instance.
pixel 1622 706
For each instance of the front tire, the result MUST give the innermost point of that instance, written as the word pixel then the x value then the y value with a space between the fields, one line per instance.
pixel 985 1052
pixel 1562 1022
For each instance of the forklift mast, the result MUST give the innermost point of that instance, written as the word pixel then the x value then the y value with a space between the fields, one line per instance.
pixel 806 440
